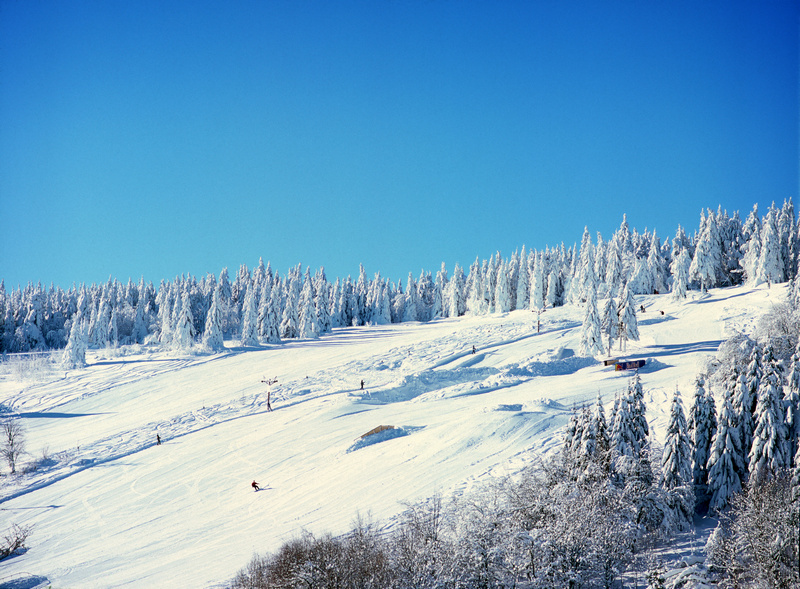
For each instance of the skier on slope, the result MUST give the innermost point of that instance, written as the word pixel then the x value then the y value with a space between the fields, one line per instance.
pixel 255 486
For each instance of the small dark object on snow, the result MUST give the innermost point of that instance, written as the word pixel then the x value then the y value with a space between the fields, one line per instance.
pixel 473 349
pixel 158 440
pixel 255 486
pixel 641 307
pixel 362 384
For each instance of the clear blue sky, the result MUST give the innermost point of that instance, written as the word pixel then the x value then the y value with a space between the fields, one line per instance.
pixel 155 138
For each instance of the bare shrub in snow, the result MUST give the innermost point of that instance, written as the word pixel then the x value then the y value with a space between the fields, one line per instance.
pixel 14 540
pixel 756 542
pixel 12 442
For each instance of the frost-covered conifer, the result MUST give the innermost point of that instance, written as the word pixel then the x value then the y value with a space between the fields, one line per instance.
pixel 250 317
pixel 523 281
pixel 410 304
pixel 770 263
pixel 725 461
pixel 641 430
pixel 629 326
pixel 610 322
pixel 457 303
pixel 792 402
pixel 212 337
pixel 323 302
pixel 591 342
pixel 702 428
pixel 538 283
pixel 707 254
pixel 655 265
pixel 769 453
pixel 75 353
pixel 502 291
pixel 308 327
pixel 680 274
pixel 184 331
pixel 290 320
pixel 676 462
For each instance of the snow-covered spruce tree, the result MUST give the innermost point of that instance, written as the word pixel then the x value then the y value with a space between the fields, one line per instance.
pixel 628 325
pixel 792 403
pixel 441 287
pixel 410 303
pixel 591 342
pixel 706 254
pixel 725 461
pixel 308 328
pixel 676 461
pixel 680 274
pixel 523 281
pixel 770 264
pixel 656 266
pixel 593 457
pixel 768 454
pixel 702 427
pixel 212 337
pixel 610 322
pixel 502 291
pixel 323 303
pixel 456 299
pixel 290 320
pixel 538 283
pixel 75 353
pixel 184 332
pixel 250 317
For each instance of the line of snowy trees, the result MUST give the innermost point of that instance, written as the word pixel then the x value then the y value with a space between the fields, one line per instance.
pixel 262 306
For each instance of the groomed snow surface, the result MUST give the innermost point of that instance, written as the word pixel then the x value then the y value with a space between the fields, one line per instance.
pixel 110 508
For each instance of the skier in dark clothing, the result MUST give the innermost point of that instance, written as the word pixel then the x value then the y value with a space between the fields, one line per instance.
pixel 362 385
pixel 158 440
pixel 255 486
pixel 473 349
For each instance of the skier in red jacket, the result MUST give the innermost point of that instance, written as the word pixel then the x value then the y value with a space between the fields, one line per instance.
pixel 255 486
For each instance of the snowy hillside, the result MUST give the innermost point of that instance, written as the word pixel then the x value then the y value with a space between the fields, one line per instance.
pixel 111 508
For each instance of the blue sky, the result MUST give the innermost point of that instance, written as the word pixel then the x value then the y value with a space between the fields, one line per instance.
pixel 156 138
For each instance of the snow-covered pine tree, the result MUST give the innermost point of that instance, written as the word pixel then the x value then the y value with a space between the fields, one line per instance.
pixel 290 319
pixel 212 336
pixel 725 460
pixel 308 327
pixel 610 322
pixel 769 453
pixel 680 274
pixel 770 263
pixel 629 326
pixel 614 272
pixel 250 317
pixel 457 303
pixel 538 283
pixel 502 291
pixel 707 254
pixel 591 342
pixel 184 331
pixel 523 281
pixel 75 353
pixel 702 427
pixel 323 302
pixel 792 401
pixel 676 461
pixel 656 266
pixel 410 304
pixel 641 430
pixel 441 286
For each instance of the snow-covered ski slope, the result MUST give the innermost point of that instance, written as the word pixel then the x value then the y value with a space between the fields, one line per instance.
pixel 112 509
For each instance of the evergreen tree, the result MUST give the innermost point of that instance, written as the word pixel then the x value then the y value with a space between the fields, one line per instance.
pixel 676 462
pixel 502 292
pixel 769 453
pixel 702 428
pixel 250 317
pixel 707 255
pixel 308 327
pixel 184 332
pixel 323 303
pixel 457 303
pixel 725 461
pixel 793 404
pixel 680 274
pixel 770 267
pixel 610 322
pixel 591 342
pixel 523 282
pixel 212 337
pixel 410 304
pixel 538 284
pixel 75 353
pixel 290 320
pixel 629 327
